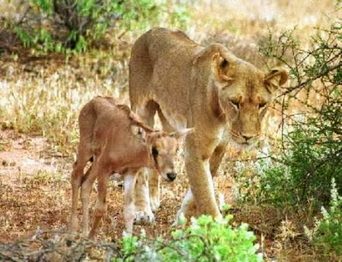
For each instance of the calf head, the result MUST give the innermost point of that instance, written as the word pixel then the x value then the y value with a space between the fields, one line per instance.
pixel 164 147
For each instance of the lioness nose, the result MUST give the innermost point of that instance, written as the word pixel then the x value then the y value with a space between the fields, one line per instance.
pixel 247 137
pixel 171 176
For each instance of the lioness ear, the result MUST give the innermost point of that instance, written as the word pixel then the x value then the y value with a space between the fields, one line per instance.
pixel 221 67
pixel 215 52
pixel 208 52
pixel 276 78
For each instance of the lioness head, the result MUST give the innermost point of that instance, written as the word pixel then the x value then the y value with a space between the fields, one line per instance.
pixel 241 92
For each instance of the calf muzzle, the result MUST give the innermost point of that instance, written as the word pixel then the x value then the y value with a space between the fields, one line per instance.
pixel 171 176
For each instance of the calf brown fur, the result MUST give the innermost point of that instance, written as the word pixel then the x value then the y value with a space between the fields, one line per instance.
pixel 108 140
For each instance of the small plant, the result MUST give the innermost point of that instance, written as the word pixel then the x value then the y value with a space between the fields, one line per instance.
pixel 327 233
pixel 204 240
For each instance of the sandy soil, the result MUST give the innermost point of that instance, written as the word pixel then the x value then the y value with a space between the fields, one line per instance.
pixel 35 197
pixel 35 192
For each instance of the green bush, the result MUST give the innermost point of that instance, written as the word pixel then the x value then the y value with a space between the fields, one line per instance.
pixel 204 240
pixel 65 25
pixel 327 233
pixel 58 26
pixel 305 172
pixel 311 152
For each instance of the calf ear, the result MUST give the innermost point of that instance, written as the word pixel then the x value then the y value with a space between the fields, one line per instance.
pixel 275 78
pixel 151 137
pixel 182 133
pixel 139 132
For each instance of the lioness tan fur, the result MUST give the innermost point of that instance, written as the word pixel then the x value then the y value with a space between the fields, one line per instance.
pixel 222 97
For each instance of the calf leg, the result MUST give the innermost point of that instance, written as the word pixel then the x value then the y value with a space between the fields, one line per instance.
pixel 84 155
pixel 96 171
pixel 129 206
pixel 101 207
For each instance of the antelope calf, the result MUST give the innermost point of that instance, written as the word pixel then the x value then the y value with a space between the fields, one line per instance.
pixel 114 139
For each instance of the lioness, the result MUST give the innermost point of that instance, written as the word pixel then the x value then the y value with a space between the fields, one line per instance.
pixel 221 96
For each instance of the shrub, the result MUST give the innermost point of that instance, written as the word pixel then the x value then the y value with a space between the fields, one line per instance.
pixel 51 25
pixel 312 134
pixel 65 25
pixel 327 233
pixel 305 172
pixel 204 240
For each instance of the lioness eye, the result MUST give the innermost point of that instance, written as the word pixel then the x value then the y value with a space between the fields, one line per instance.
pixel 262 105
pixel 235 103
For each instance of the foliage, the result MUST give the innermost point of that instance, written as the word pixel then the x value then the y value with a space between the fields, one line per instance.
pixel 311 145
pixel 204 240
pixel 65 25
pixel 327 233
pixel 305 172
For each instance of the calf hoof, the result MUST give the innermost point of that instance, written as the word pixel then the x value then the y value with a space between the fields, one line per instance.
pixel 91 235
pixel 85 232
pixel 73 225
pixel 142 217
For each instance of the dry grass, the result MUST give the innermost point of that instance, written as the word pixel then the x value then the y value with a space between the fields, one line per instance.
pixel 44 96
pixel 41 96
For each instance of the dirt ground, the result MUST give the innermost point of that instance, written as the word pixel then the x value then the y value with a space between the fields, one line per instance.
pixel 35 192
pixel 35 197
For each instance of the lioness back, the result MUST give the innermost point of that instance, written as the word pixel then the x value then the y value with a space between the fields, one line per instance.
pixel 160 65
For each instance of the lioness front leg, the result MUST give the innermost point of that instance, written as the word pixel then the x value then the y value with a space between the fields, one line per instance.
pixel 129 207
pixel 142 198
pixel 189 207
pixel 142 195
pixel 154 188
pixel 216 158
pixel 201 184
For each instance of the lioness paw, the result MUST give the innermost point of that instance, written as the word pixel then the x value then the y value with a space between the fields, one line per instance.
pixel 142 217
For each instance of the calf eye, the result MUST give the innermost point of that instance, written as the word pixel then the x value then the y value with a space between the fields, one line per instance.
pixel 155 151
